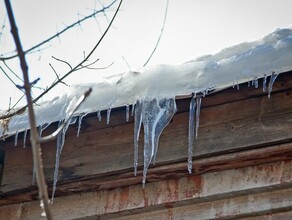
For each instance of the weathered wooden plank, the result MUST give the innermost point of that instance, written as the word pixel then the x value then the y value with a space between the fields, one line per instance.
pixel 236 192
pixel 104 152
pixel 215 163
pixel 230 208
pixel 282 215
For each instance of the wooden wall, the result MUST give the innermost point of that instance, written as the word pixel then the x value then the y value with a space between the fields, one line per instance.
pixel 241 166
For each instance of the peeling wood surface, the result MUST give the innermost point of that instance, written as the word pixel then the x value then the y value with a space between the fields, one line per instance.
pixel 249 191
pixel 237 129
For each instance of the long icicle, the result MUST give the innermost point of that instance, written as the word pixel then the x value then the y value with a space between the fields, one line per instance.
pixel 137 128
pixel 191 133
pixel 198 110
pixel 57 163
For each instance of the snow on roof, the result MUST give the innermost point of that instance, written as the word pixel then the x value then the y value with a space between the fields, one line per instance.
pixel 233 65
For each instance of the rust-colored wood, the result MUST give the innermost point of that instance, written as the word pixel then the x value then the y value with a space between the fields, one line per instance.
pixel 241 192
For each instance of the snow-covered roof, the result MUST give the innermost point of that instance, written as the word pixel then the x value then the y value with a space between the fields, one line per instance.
pixel 233 65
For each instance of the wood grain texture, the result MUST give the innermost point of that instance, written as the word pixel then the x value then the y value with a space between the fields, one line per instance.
pixel 242 192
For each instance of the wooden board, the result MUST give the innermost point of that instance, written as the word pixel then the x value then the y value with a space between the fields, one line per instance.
pixel 242 192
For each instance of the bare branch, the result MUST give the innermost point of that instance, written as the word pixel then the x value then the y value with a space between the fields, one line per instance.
pixel 61 32
pixel 62 61
pixel 8 67
pixel 43 191
pixel 161 31
pixel 8 77
pixel 55 133
pixel 71 71
pixel 96 68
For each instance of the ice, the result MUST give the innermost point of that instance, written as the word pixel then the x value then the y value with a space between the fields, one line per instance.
pixel 198 110
pixel 155 115
pixel 80 122
pixel 191 133
pixel 237 85
pixel 57 164
pixel 127 112
pixel 137 128
pixel 24 137
pixel 265 83
pixel 273 78
pixel 60 144
pixel 16 138
pixel 255 82
pixel 195 108
pixel 99 115
pixel 108 115
pixel 133 110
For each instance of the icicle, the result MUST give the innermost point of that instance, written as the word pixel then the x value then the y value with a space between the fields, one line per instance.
pixel 137 127
pixel 248 83
pixel 99 115
pixel 155 116
pixel 237 85
pixel 127 112
pixel 57 164
pixel 198 110
pixel 255 82
pixel 24 137
pixel 273 78
pixel 60 144
pixel 191 134
pixel 15 139
pixel 108 116
pixel 80 122
pixel 265 83
pixel 133 110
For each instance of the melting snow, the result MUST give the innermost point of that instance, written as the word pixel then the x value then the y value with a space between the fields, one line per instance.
pixel 152 92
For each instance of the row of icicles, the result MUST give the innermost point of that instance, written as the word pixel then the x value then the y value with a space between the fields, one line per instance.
pixel 155 116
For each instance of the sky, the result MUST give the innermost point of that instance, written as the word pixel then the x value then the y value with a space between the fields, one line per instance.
pixel 192 28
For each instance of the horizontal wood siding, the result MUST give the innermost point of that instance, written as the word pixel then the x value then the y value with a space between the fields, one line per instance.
pixel 242 134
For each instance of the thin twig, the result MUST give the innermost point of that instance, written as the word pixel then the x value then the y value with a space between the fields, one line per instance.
pixel 8 67
pixel 8 77
pixel 63 61
pixel 61 32
pixel 96 68
pixel 161 31
pixel 69 72
pixel 55 133
pixel 37 159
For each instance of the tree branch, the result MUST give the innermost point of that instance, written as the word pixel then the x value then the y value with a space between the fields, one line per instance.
pixel 161 31
pixel 43 191
pixel 55 133
pixel 61 32
pixel 70 71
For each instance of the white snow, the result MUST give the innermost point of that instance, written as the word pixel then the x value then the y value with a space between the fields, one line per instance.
pixel 153 90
